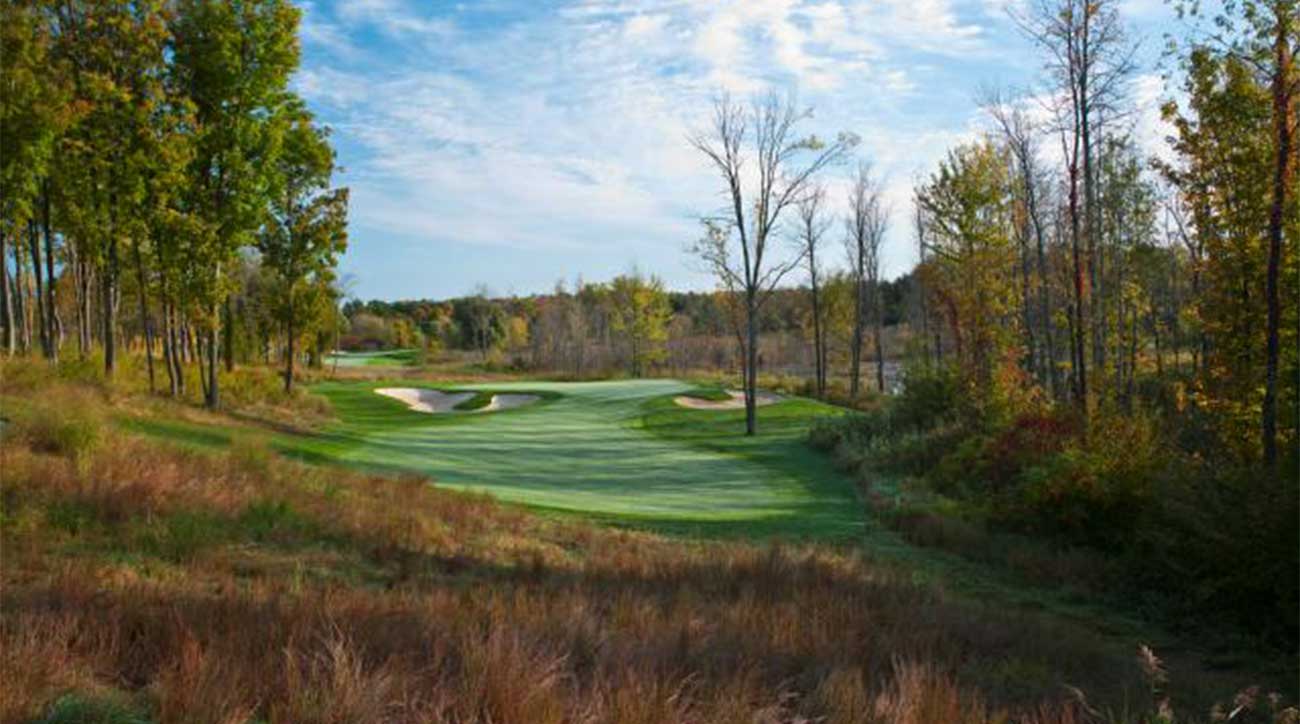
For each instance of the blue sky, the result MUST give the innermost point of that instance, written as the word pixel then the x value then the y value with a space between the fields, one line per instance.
pixel 515 143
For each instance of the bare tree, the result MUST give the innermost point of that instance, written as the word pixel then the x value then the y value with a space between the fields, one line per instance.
pixel 1090 60
pixel 766 135
pixel 812 226
pixel 1021 137
pixel 865 230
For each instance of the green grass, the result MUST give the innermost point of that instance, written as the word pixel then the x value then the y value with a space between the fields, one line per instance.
pixel 711 393
pixel 620 452
pixel 382 358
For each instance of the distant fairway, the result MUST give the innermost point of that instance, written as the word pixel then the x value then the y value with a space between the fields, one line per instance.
pixel 613 450
pixel 384 358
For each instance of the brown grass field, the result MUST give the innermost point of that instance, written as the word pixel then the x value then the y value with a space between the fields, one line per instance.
pixel 143 582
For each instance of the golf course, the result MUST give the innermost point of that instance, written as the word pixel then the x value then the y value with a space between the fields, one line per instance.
pixel 594 362
pixel 622 452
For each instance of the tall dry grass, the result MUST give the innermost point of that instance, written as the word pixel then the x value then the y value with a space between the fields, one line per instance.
pixel 193 587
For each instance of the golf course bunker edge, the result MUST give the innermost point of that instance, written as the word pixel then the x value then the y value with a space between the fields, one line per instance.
pixel 736 402
pixel 429 401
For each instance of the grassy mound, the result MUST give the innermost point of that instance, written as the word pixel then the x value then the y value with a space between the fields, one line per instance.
pixel 709 393
pixel 479 401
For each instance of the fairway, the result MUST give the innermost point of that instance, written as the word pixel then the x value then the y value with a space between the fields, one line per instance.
pixel 382 358
pixel 619 451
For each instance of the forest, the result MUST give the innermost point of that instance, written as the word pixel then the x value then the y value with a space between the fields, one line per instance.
pixel 1071 429
pixel 154 153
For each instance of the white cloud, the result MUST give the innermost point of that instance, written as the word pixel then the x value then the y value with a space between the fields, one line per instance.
pixel 1150 129
pixel 566 129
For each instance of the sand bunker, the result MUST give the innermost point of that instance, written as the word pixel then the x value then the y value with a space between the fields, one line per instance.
pixel 507 402
pixel 433 401
pixel 736 402
pixel 422 400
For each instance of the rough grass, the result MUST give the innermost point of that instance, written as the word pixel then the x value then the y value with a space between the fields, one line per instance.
pixel 154 583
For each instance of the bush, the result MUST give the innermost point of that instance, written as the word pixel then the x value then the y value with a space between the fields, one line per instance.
pixel 1122 507
pixel 66 422
pixel 1224 540
pixel 929 398
pixel 180 536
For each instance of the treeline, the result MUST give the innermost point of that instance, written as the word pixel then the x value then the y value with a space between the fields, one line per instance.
pixel 1116 366
pixel 579 330
pixel 1109 275
pixel 162 188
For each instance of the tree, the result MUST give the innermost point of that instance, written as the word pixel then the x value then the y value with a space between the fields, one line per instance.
pixel 766 135
pixel 967 215
pixel 235 59
pixel 479 320
pixel 1264 35
pixel 1089 60
pixel 34 94
pixel 639 310
pixel 1021 137
pixel 812 226
pixel 110 155
pixel 865 230
pixel 1227 142
pixel 306 229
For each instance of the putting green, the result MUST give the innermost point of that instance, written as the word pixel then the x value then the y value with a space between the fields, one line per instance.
pixel 620 451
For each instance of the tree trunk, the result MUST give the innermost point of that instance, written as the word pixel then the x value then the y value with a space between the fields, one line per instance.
pixel 1155 339
pixel 42 316
pixel 169 356
pixel 81 272
pixel 21 304
pixel 880 332
pixel 200 357
pixel 54 332
pixel 1032 356
pixel 1282 112
pixel 751 362
pixel 1044 302
pixel 212 391
pixel 289 349
pixel 1077 347
pixel 859 321
pixel 6 304
pixel 334 363
pixel 109 311
pixel 145 322
pixel 819 357
pixel 177 347
pixel 1089 202
pixel 228 336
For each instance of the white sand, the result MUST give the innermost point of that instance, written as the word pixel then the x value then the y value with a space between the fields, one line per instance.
pixel 736 402
pixel 508 402
pixel 422 400
pixel 433 401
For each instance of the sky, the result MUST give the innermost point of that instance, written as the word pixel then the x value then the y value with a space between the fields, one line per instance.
pixel 517 143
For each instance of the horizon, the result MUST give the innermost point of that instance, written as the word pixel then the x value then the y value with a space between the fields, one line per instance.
pixel 575 122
